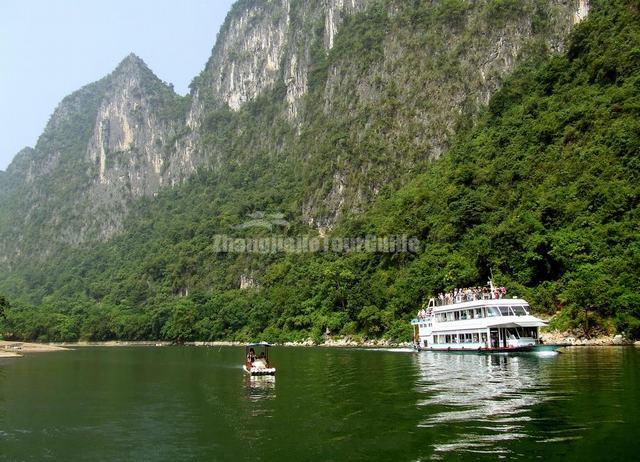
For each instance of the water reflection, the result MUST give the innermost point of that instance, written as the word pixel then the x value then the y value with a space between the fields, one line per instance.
pixel 483 401
pixel 260 388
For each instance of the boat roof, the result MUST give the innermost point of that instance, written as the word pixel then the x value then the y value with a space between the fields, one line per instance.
pixel 534 322
pixel 259 344
pixel 480 303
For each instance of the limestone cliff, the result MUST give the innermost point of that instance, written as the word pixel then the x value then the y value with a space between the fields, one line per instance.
pixel 422 81
pixel 104 145
pixel 362 93
pixel 131 149
pixel 266 43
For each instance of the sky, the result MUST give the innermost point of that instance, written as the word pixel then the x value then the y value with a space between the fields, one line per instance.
pixel 50 48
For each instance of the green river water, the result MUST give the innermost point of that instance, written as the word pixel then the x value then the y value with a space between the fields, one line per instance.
pixel 188 403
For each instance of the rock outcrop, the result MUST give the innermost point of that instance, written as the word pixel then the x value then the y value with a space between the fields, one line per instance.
pixel 264 44
pixel 104 146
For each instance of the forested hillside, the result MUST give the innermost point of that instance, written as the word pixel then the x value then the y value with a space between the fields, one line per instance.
pixel 539 187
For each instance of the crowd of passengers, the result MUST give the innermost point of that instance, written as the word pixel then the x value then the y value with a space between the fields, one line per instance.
pixel 465 295
pixel 469 295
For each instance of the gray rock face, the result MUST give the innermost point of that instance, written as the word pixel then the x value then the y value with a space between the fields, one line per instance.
pixel 459 68
pixel 128 145
pixel 104 145
pixel 130 150
pixel 263 44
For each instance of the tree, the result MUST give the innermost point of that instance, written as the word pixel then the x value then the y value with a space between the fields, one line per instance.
pixel 4 305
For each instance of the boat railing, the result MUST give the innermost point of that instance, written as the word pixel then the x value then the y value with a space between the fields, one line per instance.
pixel 463 299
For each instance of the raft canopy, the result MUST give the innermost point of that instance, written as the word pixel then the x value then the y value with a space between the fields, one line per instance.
pixel 259 344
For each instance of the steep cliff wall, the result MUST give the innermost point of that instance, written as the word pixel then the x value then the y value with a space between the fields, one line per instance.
pixel 104 146
pixel 402 79
pixel 268 43
pixel 341 96
pixel 430 66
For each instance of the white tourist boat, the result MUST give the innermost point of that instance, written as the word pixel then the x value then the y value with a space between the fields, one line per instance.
pixel 483 322
pixel 257 360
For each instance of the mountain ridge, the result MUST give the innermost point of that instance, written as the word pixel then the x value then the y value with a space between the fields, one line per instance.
pixel 394 134
pixel 256 56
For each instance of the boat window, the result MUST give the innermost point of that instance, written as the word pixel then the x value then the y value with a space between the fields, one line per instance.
pixel 483 336
pixel 470 314
pixel 449 316
pixel 479 313
pixel 468 338
pixel 505 311
pixel 456 315
pixel 463 314
pixel 493 311
pixel 447 339
pixel 476 338
pixel 512 333
pixel 519 310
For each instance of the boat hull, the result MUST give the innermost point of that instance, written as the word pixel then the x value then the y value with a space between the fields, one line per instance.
pixel 519 349
pixel 255 371
pixel 550 347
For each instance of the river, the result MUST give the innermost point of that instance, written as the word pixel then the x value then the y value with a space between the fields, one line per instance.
pixel 194 403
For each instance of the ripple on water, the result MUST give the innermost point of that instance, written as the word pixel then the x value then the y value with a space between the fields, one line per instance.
pixel 480 403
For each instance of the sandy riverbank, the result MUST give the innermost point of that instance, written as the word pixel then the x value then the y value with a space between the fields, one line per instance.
pixel 8 354
pixel 12 349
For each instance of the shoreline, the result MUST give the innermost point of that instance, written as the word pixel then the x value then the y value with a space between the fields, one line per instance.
pixel 565 338
pixel 548 339
pixel 338 343
pixel 8 354
pixel 9 349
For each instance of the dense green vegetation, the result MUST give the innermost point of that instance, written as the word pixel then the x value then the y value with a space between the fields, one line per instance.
pixel 542 192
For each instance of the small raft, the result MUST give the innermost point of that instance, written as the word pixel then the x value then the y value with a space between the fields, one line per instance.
pixel 257 361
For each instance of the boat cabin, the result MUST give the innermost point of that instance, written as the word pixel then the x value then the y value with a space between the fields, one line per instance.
pixel 481 324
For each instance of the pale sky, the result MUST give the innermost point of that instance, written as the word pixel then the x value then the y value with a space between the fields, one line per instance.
pixel 50 48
